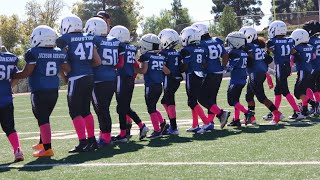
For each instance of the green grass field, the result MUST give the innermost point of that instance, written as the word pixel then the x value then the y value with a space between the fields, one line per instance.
pixel 290 150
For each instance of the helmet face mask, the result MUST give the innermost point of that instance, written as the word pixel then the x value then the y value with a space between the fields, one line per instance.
pixel 250 33
pixel 71 23
pixel 96 26
pixel 121 33
pixel 236 40
pixel 189 36
pixel 169 38
pixel 277 28
pixel 149 43
pixel 43 36
pixel 300 36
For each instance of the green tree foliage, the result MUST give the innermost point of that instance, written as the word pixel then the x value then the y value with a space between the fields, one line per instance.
pixel 247 9
pixel 177 18
pixel 227 23
pixel 10 31
pixel 124 12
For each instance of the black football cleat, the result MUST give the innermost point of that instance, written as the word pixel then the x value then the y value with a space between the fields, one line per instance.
pixel 82 147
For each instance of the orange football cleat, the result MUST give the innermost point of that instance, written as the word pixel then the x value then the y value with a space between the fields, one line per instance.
pixel 43 153
pixel 38 147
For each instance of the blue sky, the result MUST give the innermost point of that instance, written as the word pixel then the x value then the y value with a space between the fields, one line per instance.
pixel 198 11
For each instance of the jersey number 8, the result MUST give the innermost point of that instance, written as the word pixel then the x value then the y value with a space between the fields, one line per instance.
pixel 51 69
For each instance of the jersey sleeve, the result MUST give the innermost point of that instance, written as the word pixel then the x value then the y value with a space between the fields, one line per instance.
pixel 29 57
pixel 61 43
pixel 143 58
pixel 270 44
pixel 185 55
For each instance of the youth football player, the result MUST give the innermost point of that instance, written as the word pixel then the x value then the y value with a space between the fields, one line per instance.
pixel 281 47
pixel 257 67
pixel 8 66
pixel 169 40
pixel 44 62
pixel 154 69
pixel 82 56
pixel 125 81
pixel 194 61
pixel 303 54
pixel 236 41
pixel 214 74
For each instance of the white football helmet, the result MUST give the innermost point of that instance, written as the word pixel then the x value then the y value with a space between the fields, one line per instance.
pixel 71 23
pixel 236 40
pixel 149 42
pixel 250 32
pixel 300 36
pixel 121 33
pixel 169 38
pixel 277 28
pixel 43 36
pixel 202 28
pixel 189 35
pixel 96 26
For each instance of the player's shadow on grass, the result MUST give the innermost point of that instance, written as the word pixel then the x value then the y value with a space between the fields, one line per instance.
pixel 42 164
pixel 308 122
pixel 5 168
pixel 168 141
pixel 215 134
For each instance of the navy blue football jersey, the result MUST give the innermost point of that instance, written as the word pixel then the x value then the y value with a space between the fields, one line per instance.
pixel 315 42
pixel 195 57
pixel 258 66
pixel 130 52
pixel 8 66
pixel 173 62
pixel 45 73
pixel 306 53
pixel 154 74
pixel 80 52
pixel 238 62
pixel 281 49
pixel 108 49
pixel 216 51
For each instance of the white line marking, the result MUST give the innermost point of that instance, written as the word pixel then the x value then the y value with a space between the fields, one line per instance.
pixel 288 163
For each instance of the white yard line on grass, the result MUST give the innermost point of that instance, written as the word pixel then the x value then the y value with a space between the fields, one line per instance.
pixel 284 163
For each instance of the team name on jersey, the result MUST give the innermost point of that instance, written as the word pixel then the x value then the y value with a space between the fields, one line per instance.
pixel 129 47
pixel 173 53
pixel 80 39
pixel 307 49
pixel 51 56
pixel 156 57
pixel 284 40
pixel 199 50
pixel 244 54
pixel 8 59
pixel 108 43
pixel 317 42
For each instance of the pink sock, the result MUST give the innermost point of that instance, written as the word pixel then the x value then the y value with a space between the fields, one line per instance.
pixel 106 137
pixel 166 108
pixel 14 141
pixel 140 125
pixel 211 117
pixel 236 114
pixel 159 116
pixel 89 121
pixel 155 122
pixel 310 94
pixel 317 96
pixel 128 119
pixel 123 133
pixel 293 103
pixel 172 111
pixel 277 100
pixel 45 131
pixel 80 127
pixel 241 108
pixel 195 122
pixel 201 114
pixel 215 109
